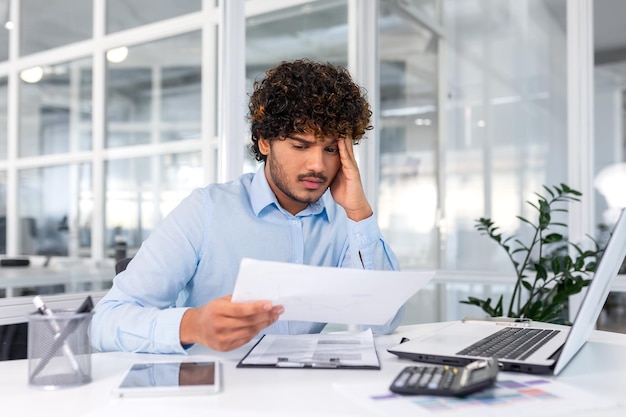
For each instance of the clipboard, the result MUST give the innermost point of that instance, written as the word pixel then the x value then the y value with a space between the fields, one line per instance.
pixel 313 351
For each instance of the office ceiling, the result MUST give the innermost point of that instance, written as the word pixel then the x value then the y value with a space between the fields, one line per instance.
pixel 308 34
pixel 609 26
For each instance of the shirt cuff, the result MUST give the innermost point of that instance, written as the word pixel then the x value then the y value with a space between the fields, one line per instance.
pixel 364 233
pixel 167 331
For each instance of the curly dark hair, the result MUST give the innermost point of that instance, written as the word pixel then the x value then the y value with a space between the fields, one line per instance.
pixel 304 96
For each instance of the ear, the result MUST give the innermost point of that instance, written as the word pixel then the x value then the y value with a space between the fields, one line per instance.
pixel 264 146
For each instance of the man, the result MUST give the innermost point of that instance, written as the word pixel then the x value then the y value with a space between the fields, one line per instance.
pixel 305 204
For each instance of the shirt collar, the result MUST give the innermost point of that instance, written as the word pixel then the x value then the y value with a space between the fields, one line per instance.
pixel 262 196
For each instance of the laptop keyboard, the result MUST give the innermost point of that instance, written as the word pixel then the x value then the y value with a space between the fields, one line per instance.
pixel 510 343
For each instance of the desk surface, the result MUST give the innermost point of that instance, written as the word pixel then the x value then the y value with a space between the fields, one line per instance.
pixel 72 276
pixel 599 369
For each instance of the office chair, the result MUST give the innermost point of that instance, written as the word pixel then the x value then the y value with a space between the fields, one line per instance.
pixel 13 341
pixel 122 264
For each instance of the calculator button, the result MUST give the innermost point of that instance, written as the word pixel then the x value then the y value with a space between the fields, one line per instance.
pixel 447 379
pixel 434 382
pixel 425 377
pixel 402 378
pixel 414 378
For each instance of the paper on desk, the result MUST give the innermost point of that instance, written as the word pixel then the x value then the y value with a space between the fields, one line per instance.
pixel 326 294
pixel 512 395
pixel 350 350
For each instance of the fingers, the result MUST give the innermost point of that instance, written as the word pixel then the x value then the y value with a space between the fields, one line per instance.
pixel 249 310
pixel 346 153
pixel 347 189
pixel 223 325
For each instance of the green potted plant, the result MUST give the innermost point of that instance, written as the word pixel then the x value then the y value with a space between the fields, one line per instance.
pixel 546 273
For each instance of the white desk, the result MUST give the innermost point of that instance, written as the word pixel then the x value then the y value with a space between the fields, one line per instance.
pixel 599 368
pixel 73 277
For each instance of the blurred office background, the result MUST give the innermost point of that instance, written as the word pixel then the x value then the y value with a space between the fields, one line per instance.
pixel 112 111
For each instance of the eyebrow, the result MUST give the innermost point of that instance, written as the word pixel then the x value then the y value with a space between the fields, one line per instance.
pixel 302 140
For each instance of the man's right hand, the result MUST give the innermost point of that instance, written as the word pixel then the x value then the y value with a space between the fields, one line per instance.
pixel 223 325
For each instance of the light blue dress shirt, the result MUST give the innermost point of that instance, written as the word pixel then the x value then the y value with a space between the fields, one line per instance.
pixel 193 257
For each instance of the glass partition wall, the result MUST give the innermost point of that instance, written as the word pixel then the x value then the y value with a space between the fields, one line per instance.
pixel 408 118
pixel 100 122
pixel 506 120
pixel 152 98
pixel 610 135
pixel 111 115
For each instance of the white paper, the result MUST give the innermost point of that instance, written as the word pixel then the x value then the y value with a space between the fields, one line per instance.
pixel 326 294
pixel 347 349
pixel 512 395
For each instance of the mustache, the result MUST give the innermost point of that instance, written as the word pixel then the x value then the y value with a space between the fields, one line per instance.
pixel 317 175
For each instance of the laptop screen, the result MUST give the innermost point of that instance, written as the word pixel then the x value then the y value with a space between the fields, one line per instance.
pixel 597 293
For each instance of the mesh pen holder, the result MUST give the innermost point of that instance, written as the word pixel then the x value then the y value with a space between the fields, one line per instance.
pixel 59 351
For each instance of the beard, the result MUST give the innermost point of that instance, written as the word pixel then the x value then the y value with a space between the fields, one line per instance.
pixel 281 181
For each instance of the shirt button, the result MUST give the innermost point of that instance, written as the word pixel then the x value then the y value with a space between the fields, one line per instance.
pixel 295 221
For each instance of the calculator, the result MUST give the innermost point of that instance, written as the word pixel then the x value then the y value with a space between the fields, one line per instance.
pixel 446 380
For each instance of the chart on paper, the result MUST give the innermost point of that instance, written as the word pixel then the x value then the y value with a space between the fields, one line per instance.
pixel 513 394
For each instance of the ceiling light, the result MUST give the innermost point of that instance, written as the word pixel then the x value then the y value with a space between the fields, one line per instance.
pixel 32 75
pixel 117 55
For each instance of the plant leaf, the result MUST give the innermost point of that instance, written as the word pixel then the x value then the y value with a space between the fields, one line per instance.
pixel 552 238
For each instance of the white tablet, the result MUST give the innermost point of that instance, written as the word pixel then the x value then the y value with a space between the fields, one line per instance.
pixel 170 378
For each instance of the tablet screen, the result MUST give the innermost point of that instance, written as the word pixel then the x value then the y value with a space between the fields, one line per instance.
pixel 148 378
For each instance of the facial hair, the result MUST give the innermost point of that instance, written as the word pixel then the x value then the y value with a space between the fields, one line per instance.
pixel 280 180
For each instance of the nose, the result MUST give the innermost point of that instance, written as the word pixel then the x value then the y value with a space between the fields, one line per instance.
pixel 315 159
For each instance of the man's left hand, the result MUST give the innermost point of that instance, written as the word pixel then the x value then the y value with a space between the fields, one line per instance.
pixel 347 189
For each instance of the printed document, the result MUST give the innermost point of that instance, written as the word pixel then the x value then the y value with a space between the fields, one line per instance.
pixel 327 294
pixel 326 350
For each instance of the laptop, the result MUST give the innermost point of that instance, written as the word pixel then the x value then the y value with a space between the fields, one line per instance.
pixel 456 343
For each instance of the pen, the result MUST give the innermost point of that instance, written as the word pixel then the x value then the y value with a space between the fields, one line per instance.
pixel 499 321
pixel 307 363
pixel 44 310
